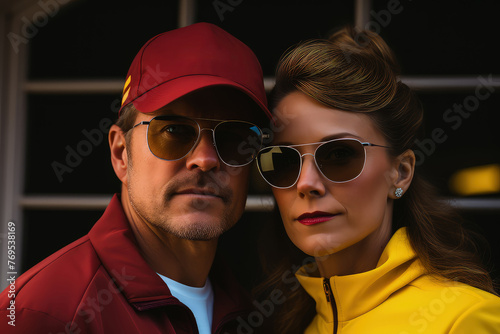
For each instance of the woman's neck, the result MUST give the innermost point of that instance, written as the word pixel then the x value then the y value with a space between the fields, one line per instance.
pixel 360 257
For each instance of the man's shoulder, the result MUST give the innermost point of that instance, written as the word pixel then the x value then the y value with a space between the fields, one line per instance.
pixel 70 269
pixel 60 279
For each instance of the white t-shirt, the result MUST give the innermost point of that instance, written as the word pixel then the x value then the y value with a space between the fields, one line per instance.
pixel 199 300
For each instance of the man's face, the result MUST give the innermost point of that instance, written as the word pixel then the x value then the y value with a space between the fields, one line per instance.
pixel 197 197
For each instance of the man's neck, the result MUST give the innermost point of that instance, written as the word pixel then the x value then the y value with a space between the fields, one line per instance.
pixel 185 261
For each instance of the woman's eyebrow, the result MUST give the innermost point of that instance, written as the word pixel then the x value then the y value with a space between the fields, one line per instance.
pixel 326 138
pixel 340 135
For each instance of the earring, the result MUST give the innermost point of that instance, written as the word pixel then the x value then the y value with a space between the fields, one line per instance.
pixel 398 192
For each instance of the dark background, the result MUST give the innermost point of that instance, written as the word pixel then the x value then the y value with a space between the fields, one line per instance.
pixel 95 39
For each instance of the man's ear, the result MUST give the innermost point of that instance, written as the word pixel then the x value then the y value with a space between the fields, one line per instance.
pixel 119 158
pixel 404 170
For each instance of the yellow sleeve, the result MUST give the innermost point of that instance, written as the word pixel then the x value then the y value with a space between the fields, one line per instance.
pixel 482 318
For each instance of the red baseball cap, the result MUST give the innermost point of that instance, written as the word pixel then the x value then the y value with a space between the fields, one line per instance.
pixel 180 61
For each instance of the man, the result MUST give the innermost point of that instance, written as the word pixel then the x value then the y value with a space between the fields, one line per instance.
pixel 182 148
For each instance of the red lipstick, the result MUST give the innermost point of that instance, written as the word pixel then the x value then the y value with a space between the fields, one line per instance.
pixel 316 217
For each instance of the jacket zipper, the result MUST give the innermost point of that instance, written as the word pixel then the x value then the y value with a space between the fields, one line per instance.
pixel 331 299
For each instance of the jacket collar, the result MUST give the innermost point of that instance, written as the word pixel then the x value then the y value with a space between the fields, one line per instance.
pixel 116 246
pixel 119 253
pixel 357 294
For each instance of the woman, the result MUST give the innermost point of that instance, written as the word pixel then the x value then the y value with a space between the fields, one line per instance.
pixel 383 255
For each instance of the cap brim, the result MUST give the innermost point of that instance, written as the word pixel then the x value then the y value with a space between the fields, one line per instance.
pixel 174 89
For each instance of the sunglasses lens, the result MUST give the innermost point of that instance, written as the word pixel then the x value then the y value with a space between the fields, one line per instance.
pixel 341 160
pixel 237 142
pixel 172 137
pixel 279 165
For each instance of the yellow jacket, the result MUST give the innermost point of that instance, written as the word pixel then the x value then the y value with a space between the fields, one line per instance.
pixel 397 297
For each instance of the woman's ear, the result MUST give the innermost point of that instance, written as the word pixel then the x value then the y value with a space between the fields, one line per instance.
pixel 405 168
pixel 119 158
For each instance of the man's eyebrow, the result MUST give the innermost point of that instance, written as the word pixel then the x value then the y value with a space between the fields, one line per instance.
pixel 164 111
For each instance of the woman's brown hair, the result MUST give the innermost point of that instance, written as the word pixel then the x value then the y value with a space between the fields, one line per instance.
pixel 357 72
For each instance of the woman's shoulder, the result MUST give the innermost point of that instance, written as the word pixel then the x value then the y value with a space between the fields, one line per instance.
pixel 459 307
pixel 444 287
pixel 468 302
pixel 481 310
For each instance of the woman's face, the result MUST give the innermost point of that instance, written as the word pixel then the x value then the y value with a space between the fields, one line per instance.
pixel 352 217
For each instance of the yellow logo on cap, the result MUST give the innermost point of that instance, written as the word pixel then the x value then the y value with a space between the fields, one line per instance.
pixel 126 89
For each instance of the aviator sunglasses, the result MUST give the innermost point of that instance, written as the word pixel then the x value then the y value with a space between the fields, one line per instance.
pixel 339 160
pixel 173 137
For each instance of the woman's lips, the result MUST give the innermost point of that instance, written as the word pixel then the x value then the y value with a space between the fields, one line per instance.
pixel 312 218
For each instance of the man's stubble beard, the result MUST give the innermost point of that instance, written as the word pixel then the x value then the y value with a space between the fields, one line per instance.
pixel 189 230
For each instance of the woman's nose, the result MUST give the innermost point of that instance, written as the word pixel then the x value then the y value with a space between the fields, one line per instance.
pixel 311 181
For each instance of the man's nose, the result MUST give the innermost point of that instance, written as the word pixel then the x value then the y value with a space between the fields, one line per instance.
pixel 204 154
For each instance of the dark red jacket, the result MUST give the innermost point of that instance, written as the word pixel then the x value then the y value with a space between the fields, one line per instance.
pixel 101 284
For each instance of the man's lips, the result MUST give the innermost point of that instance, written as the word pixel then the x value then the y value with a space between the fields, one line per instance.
pixel 316 217
pixel 198 192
